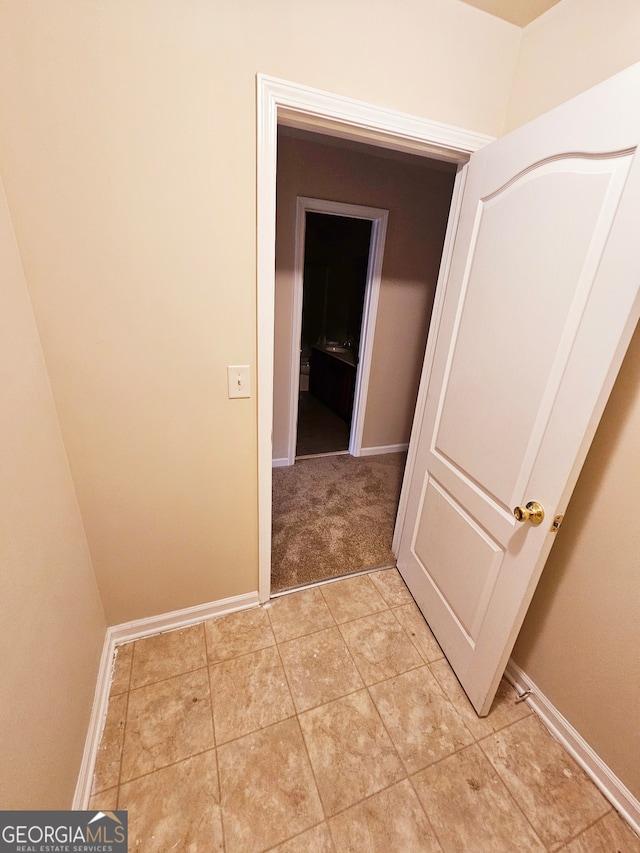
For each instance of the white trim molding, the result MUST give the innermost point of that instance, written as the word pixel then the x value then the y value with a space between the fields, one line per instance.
pixel 125 633
pixel 613 789
pixel 281 462
pixel 388 448
pixel 96 725
pixel 333 115
pixel 176 619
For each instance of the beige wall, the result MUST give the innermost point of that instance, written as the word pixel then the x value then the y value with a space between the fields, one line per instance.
pixel 573 46
pixel 128 152
pixel 418 199
pixel 581 637
pixel 128 149
pixel 52 620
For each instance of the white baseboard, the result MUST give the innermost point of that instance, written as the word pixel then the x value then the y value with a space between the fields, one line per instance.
pixel 389 448
pixel 613 789
pixel 139 628
pixel 364 451
pixel 96 725
pixel 280 463
pixel 125 633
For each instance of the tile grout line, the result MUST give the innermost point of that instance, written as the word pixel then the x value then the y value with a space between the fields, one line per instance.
pixel 304 743
pixel 366 687
pixel 209 664
pixel 262 728
pixel 453 708
pixel 391 740
pixel 410 636
pixel 268 607
pixel 480 741
pixel 323 704
pixel 587 828
pixel 512 796
pixel 426 814
pixel 467 748
pixel 166 766
pixel 122 782
pixel 296 715
pixel 213 731
pixel 351 657
pixel 126 720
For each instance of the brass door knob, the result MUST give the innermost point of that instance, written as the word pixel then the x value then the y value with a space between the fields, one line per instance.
pixel 533 512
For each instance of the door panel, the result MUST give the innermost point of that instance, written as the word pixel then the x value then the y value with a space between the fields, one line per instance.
pixel 462 591
pixel 531 296
pixel 538 308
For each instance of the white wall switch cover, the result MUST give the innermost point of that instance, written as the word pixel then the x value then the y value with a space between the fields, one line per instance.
pixel 239 381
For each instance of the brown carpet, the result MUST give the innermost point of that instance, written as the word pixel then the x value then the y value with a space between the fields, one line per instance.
pixel 332 516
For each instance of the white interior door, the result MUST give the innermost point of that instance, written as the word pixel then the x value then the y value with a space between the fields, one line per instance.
pixel 539 304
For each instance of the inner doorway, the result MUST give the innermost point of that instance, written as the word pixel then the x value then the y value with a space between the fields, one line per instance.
pixel 337 267
pixel 336 258
pixel 417 194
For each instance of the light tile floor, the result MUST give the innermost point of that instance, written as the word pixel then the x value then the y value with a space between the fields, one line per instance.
pixel 329 720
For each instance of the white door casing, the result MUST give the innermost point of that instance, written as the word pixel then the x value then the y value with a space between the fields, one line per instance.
pixel 378 219
pixel 280 101
pixel 536 306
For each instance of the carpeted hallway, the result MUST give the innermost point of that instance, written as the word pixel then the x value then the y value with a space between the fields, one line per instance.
pixel 332 516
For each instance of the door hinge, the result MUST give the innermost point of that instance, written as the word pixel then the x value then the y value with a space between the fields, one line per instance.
pixel 557 521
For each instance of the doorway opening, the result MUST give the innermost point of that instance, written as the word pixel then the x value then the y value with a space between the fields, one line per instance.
pixel 346 122
pixel 355 321
pixel 336 257
pixel 336 282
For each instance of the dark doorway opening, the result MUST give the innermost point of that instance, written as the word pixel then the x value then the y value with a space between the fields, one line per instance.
pixel 336 258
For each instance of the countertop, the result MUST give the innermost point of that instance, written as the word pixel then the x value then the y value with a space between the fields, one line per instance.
pixel 345 355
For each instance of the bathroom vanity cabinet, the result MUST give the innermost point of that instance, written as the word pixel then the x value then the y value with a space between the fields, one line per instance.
pixel 332 379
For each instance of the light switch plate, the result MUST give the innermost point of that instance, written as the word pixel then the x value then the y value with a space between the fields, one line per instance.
pixel 239 381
